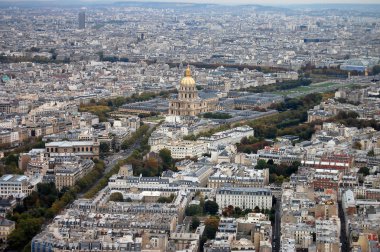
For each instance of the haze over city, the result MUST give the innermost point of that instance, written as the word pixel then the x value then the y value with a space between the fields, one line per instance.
pixel 229 2
pixel 190 126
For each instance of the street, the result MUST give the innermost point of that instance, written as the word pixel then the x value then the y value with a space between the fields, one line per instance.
pixel 277 227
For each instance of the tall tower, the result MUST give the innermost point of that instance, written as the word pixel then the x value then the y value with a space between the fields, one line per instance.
pixel 188 102
pixel 82 20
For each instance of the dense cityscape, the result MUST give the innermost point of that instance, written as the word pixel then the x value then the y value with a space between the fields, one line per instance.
pixel 154 127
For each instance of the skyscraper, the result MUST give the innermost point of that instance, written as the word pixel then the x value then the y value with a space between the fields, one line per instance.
pixel 82 20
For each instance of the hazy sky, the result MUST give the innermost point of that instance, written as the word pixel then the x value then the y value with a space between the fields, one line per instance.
pixel 263 2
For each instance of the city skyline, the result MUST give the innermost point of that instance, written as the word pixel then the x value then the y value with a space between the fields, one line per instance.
pixel 222 2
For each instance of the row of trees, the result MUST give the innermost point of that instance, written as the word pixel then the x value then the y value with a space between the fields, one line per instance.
pixel 121 100
pixel 102 107
pixel 100 110
pixel 351 119
pixel 35 59
pixel 293 112
pixel 236 212
pixel 279 86
pixel 278 173
pixel 140 137
pixel 204 208
pixel 163 199
pixel 25 146
pixel 251 144
pixel 137 135
pixel 103 180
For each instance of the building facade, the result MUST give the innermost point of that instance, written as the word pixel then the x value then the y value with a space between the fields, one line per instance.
pixel 6 227
pixel 83 149
pixel 188 102
pixel 245 198
pixel 18 186
pixel 183 149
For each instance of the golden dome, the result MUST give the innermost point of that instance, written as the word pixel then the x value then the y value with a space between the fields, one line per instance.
pixel 188 81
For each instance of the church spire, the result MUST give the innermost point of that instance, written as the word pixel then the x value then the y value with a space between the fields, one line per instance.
pixel 188 71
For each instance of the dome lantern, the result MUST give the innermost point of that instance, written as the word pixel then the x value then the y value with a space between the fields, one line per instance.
pixel 188 81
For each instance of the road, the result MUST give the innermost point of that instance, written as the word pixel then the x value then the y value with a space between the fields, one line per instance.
pixel 111 160
pixel 277 227
pixel 343 236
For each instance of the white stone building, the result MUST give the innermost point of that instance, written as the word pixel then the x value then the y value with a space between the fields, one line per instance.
pixel 244 197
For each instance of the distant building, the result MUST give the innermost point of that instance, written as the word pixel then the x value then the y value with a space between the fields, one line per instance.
pixel 83 149
pixel 82 20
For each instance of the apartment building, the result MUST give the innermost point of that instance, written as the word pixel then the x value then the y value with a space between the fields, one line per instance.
pixel 66 174
pixel 244 197
pixel 18 186
pixel 6 227
pixel 183 149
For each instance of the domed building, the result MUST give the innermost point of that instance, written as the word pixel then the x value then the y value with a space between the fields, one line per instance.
pixel 188 102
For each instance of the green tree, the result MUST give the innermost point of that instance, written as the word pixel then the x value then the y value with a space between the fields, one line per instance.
pixel 166 157
pixel 228 211
pixel 371 153
pixel 211 207
pixel 247 211
pixel 117 196
pixel 166 199
pixel 357 145
pixel 376 69
pixel 364 171
pixel 195 222
pixel 11 159
pixel 193 210
pixel 238 211
pixel 211 226
pixel 261 164
pixel 104 148
pixel 280 179
pixel 27 228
